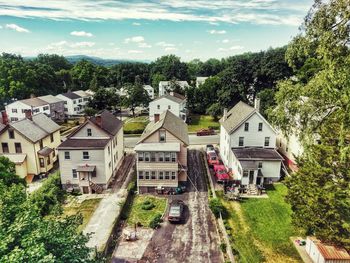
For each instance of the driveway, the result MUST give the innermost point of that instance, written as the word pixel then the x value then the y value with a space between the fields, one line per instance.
pixel 197 239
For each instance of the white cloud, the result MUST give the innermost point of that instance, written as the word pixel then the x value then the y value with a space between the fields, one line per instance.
pixel 0 27
pixel 165 44
pixel 170 49
pixel 230 48
pixel 217 32
pixel 135 51
pixel 136 24
pixel 225 41
pixel 214 23
pixel 17 28
pixel 82 44
pixel 144 45
pixel 81 34
pixel 136 39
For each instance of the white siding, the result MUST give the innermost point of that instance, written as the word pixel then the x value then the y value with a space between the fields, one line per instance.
pixel 164 104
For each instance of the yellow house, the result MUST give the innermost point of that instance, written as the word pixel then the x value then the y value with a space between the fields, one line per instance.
pixel 31 144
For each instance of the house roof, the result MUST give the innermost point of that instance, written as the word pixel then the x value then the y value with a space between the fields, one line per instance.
pixel 182 83
pixel 109 123
pixel 81 93
pixel 255 153
pixel 330 252
pixel 34 102
pixel 50 99
pixel 169 122
pixel 83 144
pixel 45 151
pixel 86 168
pixel 36 129
pixel 169 97
pixel 71 95
pixel 17 158
pixel 2 127
pixel 236 116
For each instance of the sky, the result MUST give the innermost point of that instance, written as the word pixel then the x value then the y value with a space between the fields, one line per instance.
pixel 145 30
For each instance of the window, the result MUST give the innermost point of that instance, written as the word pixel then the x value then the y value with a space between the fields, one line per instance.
pixel 109 150
pixel 18 147
pixel 51 137
pixel 116 142
pixel 246 126
pixel 109 164
pixel 167 157
pixel 41 144
pixel 74 173
pixel 167 175
pixel 41 161
pixel 260 165
pixel 173 175
pixel 267 141
pixel 89 132
pixel 74 102
pixel 65 102
pixel 169 107
pixel 241 141
pixel 161 157
pixel 260 126
pixel 86 99
pixel 147 157
pixel 141 175
pixel 140 156
pixel 153 156
pixel 147 175
pixel 14 119
pixel 86 156
pixel 67 155
pixel 46 108
pixel 11 134
pixel 280 143
pixel 80 100
pixel 161 175
pixel 14 110
pixel 23 111
pixel 153 175
pixel 48 160
pixel 161 136
pixel 245 173
pixel 5 147
pixel 158 107
pixel 173 157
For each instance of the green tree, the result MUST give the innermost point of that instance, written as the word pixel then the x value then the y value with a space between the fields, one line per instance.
pixel 82 74
pixel 136 97
pixel 171 67
pixel 105 99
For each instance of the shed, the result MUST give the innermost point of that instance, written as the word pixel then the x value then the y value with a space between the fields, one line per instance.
pixel 324 253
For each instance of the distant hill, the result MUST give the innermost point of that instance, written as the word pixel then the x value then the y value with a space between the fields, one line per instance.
pixel 99 61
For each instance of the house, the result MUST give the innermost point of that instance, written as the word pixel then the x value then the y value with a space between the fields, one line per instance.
pixel 56 107
pixel 200 81
pixel 166 86
pixel 248 146
pixel 290 148
pixel 17 109
pixel 176 104
pixel 92 154
pixel 31 143
pixel 150 91
pixel 162 154
pixel 322 253
pixel 74 102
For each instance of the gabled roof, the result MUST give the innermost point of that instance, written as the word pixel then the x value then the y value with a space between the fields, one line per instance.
pixel 169 122
pixel 81 93
pixel 72 143
pixel 34 102
pixel 50 99
pixel 36 129
pixel 109 123
pixel 70 95
pixel 182 83
pixel 169 97
pixel 255 153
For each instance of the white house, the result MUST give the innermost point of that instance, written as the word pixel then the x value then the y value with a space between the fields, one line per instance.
pixel 166 86
pixel 75 102
pixel 17 110
pixel 200 81
pixel 150 91
pixel 176 104
pixel 248 146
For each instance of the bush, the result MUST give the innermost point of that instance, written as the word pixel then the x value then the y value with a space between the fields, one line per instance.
pixel 216 207
pixel 223 247
pixel 147 205
pixel 155 223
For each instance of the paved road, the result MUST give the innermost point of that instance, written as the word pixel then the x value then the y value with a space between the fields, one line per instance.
pixel 130 142
pixel 197 239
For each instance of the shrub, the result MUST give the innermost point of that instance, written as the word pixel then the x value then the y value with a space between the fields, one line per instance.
pixel 155 222
pixel 216 207
pixel 147 205
pixel 223 247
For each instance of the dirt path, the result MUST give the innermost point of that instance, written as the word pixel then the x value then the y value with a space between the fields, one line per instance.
pixel 196 240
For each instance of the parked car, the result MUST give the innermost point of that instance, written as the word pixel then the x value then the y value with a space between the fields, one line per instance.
pixel 205 132
pixel 212 158
pixel 209 148
pixel 222 175
pixel 176 210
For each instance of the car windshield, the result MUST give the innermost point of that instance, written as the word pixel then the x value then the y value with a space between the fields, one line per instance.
pixel 221 172
pixel 174 211
pixel 213 158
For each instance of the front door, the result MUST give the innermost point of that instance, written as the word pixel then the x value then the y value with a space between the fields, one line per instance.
pixel 251 177
pixel 85 189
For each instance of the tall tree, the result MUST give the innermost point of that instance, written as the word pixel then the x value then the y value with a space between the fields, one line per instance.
pixel 136 96
pixel 170 66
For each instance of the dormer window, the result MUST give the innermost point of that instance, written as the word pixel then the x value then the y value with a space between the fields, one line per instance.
pixel 89 132
pixel 246 126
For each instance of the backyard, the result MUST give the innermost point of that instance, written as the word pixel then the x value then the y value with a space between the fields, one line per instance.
pixel 202 122
pixel 135 125
pixel 261 228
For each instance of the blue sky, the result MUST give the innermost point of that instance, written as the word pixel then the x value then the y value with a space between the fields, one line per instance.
pixel 146 30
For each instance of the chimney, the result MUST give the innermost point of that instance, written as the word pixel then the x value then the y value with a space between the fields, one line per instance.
pixel 257 104
pixel 98 120
pixel 4 117
pixel 28 114
pixel 225 114
pixel 156 117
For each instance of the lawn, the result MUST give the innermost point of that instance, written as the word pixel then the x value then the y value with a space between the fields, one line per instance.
pixel 138 214
pixel 202 121
pixel 86 209
pixel 135 125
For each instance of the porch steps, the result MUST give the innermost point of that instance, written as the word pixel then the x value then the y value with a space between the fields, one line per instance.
pixel 252 189
pixel 98 189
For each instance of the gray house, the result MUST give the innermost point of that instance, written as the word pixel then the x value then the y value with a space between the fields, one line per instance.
pixel 56 107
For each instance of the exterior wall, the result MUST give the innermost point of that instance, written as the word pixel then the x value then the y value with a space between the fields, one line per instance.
pixel 57 110
pixel 21 169
pixel 71 106
pixel 96 132
pixel 314 253
pixel 290 147
pixel 164 105
pixel 225 150
pixel 20 107
pixel 253 137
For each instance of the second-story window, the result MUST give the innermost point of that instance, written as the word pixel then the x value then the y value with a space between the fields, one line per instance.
pixel 147 156
pixel 161 157
pixel 5 147
pixel 86 156
pixel 267 141
pixel 162 136
pixel 89 132
pixel 42 163
pixel 260 165
pixel 45 107
pixel 41 144
pixel 241 141
pixel 18 147
pixel 67 155
pixel 153 156
pixel 246 126
pixel 167 157
pixel 51 137
pixel 14 110
pixel 260 128
pixel 173 157
pixel 140 157
pixel 158 107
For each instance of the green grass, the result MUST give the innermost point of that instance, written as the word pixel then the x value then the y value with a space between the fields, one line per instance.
pixel 270 221
pixel 86 209
pixel 135 125
pixel 202 121
pixel 137 215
